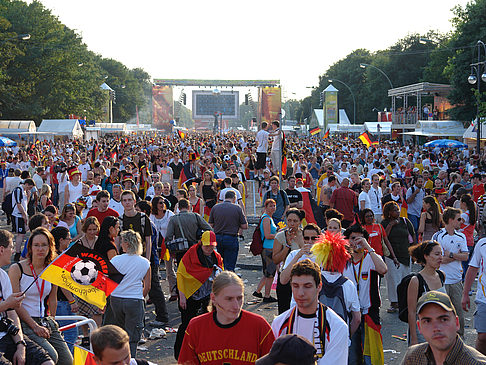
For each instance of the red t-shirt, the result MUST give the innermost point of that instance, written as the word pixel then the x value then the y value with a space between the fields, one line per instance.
pixel 344 200
pixel 241 343
pixel 377 235
pixel 102 215
pixel 478 190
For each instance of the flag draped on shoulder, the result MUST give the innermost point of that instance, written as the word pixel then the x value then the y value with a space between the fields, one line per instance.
pixel 284 154
pixel 82 356
pixel 191 274
pixel 84 273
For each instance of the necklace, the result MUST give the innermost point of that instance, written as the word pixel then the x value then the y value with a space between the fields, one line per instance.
pixel 88 244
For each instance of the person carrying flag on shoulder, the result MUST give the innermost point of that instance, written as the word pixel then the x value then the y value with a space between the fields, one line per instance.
pixel 195 274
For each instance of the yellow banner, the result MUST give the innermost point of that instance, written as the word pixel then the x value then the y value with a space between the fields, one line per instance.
pixel 271 104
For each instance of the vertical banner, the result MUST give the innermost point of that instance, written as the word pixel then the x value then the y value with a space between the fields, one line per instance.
pixel 330 106
pixel 162 107
pixel 271 103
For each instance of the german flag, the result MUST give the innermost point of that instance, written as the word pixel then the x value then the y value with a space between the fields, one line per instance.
pixel 181 134
pixel 84 273
pixel 284 155
pixel 83 356
pixel 191 274
pixel 313 214
pixel 367 139
pixel 326 135
pixel 314 131
pixel 373 342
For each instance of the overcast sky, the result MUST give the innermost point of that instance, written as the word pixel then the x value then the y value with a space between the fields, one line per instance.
pixel 293 41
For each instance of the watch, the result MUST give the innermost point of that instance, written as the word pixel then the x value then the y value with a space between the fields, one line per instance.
pixel 451 255
pixel 21 342
pixel 372 250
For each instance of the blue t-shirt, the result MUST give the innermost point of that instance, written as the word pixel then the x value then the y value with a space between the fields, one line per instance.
pixel 273 229
pixel 282 201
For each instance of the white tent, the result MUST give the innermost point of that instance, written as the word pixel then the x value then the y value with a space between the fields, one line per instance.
pixel 372 127
pixel 13 127
pixel 69 128
pixel 438 128
pixel 344 125
pixel 112 128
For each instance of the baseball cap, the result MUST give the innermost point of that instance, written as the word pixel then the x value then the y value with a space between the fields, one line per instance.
pixel 291 350
pixel 438 298
pixel 208 238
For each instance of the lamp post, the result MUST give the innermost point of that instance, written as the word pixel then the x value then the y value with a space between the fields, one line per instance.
pixel 22 37
pixel 352 94
pixel 364 65
pixel 478 70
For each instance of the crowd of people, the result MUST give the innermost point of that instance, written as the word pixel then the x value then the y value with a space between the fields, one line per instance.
pixel 334 218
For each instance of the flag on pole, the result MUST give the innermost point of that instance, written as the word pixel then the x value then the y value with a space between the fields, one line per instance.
pixel 314 131
pixel 84 273
pixel 181 134
pixel 82 356
pixel 326 135
pixel 284 154
pixel 367 139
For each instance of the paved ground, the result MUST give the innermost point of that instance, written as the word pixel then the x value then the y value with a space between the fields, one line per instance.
pixel 160 351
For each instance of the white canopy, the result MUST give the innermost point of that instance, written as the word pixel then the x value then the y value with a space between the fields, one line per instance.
pixel 438 128
pixel 62 127
pixel 372 127
pixel 10 127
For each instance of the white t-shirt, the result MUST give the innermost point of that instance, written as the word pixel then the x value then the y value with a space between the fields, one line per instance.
pixel 5 292
pixel 222 194
pixel 134 267
pixel 478 260
pixel 375 200
pixel 262 139
pixel 364 196
pixel 455 244
pixel 84 168
pixel 335 349
pixel 364 277
pixel 116 206
pixel 277 140
pixel 19 197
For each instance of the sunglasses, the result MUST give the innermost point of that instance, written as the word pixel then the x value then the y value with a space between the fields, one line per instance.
pixel 307 238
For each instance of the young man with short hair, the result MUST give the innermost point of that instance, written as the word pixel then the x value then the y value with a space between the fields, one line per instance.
pixel 20 199
pixel 102 210
pixel 438 323
pixel 364 270
pixel 454 247
pixel 311 319
pixel 111 346
pixel 280 198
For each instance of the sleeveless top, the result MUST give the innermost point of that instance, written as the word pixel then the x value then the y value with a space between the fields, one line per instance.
pixel 33 303
pixel 429 230
pixel 74 191
pixel 196 208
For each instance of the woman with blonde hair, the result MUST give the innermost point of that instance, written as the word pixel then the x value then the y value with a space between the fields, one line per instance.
pixel 37 322
pixel 127 300
pixel 45 196
pixel 237 331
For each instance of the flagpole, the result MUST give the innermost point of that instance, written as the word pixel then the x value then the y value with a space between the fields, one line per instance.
pixel 38 276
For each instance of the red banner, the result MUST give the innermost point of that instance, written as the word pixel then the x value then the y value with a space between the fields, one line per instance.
pixel 162 106
pixel 271 103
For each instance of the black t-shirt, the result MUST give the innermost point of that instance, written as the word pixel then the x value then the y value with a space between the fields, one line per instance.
pixel 294 195
pixel 135 223
pixel 172 200
pixel 102 247
pixel 176 169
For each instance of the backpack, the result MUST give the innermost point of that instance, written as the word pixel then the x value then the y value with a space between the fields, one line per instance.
pixel 332 295
pixel 256 245
pixel 402 292
pixel 8 204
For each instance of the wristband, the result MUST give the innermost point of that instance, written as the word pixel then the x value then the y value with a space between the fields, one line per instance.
pixel 372 250
pixel 21 342
pixel 72 302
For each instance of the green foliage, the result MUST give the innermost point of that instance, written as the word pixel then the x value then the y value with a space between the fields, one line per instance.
pixel 53 74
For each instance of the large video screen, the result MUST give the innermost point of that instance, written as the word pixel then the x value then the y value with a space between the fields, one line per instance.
pixel 206 103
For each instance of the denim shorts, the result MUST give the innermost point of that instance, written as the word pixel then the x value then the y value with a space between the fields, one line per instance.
pixel 480 317
pixel 269 268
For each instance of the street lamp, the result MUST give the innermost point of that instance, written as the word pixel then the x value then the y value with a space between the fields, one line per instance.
pixel 352 94
pixel 478 70
pixel 22 37
pixel 364 65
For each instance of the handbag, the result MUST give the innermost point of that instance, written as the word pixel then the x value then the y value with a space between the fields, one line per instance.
pixel 410 238
pixel 178 245
pixel 386 251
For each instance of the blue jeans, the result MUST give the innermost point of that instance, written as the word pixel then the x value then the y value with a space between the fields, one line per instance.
pixel 415 220
pixel 70 336
pixel 228 249
pixel 465 264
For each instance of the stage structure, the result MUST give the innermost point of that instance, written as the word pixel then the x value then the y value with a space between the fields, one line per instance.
pixel 212 109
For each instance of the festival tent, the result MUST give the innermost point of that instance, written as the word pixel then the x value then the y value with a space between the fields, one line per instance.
pixel 67 128
pixel 344 125
pixel 438 128
pixel 470 135
pixel 372 127
pixel 13 128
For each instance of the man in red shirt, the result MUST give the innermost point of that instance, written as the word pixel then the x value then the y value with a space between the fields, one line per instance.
pixel 102 211
pixel 344 200
pixel 478 187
